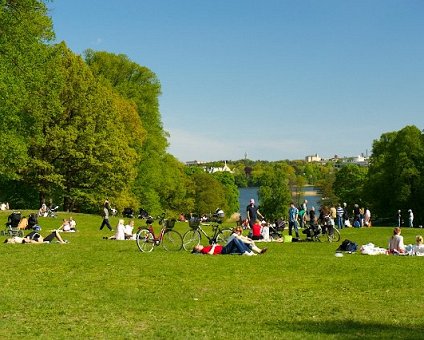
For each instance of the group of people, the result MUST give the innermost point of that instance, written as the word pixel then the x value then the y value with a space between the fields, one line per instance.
pixel 123 231
pixel 68 225
pixel 410 218
pixel 35 237
pixel 397 245
pixel 237 243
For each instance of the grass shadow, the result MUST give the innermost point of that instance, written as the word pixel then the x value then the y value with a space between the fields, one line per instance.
pixel 349 329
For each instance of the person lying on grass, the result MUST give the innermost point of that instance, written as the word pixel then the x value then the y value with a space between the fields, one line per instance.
pixel 35 238
pixel 235 246
pixel 238 233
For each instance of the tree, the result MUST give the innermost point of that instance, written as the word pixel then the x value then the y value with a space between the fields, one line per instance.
pixel 274 193
pixel 209 193
pixel 84 148
pixel 395 173
pixel 231 191
pixel 24 29
pixel 140 85
pixel 349 184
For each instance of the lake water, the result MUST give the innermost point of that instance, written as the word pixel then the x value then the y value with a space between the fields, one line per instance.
pixel 245 194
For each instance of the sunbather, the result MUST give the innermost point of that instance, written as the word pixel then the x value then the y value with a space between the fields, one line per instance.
pixel 35 238
pixel 235 246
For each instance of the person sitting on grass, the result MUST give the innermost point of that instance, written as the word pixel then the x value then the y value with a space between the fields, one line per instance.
pixel 128 231
pixel 235 246
pixel 257 231
pixel 66 227
pixel 396 245
pixel 72 224
pixel 238 233
pixel 418 249
pixel 120 232
pixel 35 238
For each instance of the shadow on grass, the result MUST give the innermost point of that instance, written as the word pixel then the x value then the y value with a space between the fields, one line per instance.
pixel 348 329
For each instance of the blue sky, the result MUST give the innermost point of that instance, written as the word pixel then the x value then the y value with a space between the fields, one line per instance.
pixel 274 79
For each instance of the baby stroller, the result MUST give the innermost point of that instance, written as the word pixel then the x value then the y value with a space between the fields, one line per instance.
pixel 12 225
pixel 128 213
pixel 276 230
pixel 142 213
pixel 51 212
pixel 312 232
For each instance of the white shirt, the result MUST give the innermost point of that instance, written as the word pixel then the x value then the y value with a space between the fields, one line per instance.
pixel 418 250
pixel 120 232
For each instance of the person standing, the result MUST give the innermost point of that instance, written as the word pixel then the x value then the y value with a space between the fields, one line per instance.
pixel 339 217
pixel 399 218
pixel 410 219
pixel 105 215
pixel 303 211
pixel 252 212
pixel 345 215
pixel 293 215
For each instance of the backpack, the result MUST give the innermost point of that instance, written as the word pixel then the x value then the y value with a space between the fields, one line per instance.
pixel 348 245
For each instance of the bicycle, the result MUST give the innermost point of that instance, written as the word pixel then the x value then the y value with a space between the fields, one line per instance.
pixel 170 239
pixel 330 233
pixel 193 237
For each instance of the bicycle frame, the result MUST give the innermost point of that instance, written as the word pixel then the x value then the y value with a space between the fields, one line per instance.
pixel 216 231
pixel 157 238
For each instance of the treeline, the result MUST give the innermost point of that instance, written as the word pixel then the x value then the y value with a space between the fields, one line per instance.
pixel 394 179
pixel 77 130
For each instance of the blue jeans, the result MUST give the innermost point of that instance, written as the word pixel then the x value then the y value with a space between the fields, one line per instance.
pixel 339 222
pixel 293 224
pixel 235 246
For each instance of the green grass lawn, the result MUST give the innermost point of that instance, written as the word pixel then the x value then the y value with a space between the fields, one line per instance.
pixel 94 288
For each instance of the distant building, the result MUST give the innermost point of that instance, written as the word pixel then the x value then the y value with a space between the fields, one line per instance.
pixel 338 161
pixel 194 163
pixel 225 168
pixel 314 158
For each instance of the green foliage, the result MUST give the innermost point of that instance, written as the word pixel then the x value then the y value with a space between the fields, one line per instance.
pixel 274 194
pixel 349 184
pixel 230 189
pixel 395 174
pixel 141 86
pixel 209 194
pixel 24 27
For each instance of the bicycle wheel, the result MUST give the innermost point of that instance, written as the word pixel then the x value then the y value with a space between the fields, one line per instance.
pixel 145 240
pixel 191 238
pixel 172 240
pixel 333 236
pixel 224 235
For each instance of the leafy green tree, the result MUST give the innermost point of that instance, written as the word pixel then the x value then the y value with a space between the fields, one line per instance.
pixel 24 29
pixel 231 191
pixel 395 173
pixel 209 193
pixel 274 193
pixel 141 86
pixel 349 184
pixel 85 149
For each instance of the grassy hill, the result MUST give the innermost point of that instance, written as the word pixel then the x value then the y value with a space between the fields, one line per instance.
pixel 95 288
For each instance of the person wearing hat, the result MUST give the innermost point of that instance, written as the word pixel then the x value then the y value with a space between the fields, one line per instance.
pixel 411 219
pixel 252 212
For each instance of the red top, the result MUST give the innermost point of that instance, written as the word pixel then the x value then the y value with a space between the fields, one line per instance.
pixel 207 249
pixel 256 230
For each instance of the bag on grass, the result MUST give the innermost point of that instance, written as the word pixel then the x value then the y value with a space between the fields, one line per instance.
pixel 348 245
